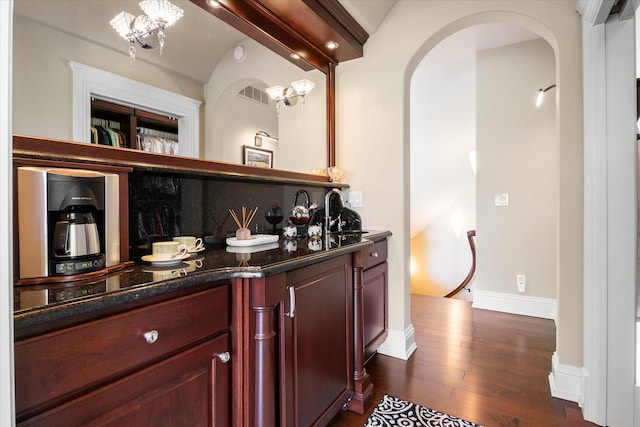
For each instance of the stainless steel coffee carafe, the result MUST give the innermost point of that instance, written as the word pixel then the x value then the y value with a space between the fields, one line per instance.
pixel 76 235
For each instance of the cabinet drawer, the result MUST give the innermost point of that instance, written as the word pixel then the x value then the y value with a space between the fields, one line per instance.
pixel 191 388
pixel 375 254
pixel 55 366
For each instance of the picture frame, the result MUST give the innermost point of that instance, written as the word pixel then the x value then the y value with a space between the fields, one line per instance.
pixel 257 157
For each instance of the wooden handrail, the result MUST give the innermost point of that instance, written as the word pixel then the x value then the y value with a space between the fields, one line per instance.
pixel 470 235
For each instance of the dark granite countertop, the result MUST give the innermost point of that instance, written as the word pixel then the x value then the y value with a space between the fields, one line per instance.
pixel 40 304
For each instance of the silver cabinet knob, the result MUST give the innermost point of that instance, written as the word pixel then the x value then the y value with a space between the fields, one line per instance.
pixel 151 336
pixel 373 254
pixel 224 357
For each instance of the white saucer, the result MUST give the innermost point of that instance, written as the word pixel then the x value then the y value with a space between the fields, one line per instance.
pixel 252 249
pixel 200 249
pixel 255 240
pixel 165 262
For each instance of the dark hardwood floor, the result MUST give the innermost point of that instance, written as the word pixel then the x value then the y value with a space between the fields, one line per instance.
pixel 487 367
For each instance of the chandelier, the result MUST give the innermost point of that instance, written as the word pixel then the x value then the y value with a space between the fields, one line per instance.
pixel 289 95
pixel 159 14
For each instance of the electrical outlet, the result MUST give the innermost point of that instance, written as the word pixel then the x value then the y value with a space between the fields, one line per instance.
pixel 521 281
pixel 501 200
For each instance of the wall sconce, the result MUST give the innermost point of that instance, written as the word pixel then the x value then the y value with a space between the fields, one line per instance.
pixel 289 95
pixel 160 14
pixel 262 135
pixel 541 93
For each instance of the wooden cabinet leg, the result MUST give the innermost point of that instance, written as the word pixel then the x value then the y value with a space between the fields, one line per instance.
pixel 362 385
pixel 265 365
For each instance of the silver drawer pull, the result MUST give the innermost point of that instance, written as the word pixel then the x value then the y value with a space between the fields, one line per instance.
pixel 292 302
pixel 151 336
pixel 224 357
pixel 373 254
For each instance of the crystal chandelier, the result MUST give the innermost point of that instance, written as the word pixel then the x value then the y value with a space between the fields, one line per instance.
pixel 289 95
pixel 160 14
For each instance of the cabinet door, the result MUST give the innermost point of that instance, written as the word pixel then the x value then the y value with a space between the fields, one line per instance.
pixel 318 343
pixel 374 308
pixel 189 389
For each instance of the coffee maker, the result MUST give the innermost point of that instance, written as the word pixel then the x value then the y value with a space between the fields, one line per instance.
pixel 68 221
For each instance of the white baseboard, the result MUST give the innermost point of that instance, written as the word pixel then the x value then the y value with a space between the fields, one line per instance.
pixel 515 304
pixel 566 381
pixel 399 344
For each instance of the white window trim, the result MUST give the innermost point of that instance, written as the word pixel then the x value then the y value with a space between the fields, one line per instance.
pixel 91 82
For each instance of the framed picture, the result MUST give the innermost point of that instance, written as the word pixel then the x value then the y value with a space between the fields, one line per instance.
pixel 257 157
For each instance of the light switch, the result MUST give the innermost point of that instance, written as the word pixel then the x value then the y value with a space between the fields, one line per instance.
pixel 502 200
pixel 355 199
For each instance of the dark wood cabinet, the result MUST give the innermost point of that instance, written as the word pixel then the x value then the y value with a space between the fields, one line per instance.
pixel 299 339
pixel 301 342
pixel 166 363
pixel 129 122
pixel 375 290
pixel 177 391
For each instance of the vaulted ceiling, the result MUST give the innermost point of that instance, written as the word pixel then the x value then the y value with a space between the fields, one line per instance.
pixel 197 42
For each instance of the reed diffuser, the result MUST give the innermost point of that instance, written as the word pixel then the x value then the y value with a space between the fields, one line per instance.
pixel 243 232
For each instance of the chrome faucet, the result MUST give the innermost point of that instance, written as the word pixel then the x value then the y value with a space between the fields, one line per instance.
pixel 327 214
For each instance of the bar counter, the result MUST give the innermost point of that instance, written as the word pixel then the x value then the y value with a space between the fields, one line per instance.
pixel 37 306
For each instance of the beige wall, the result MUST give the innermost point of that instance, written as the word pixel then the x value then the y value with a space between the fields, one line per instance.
pixel 373 135
pixel 517 155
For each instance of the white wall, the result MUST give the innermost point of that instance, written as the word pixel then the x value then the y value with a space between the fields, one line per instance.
pixel 443 117
pixel 373 137
pixel 517 155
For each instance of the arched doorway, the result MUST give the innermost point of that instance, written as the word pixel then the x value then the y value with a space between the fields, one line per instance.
pixel 476 89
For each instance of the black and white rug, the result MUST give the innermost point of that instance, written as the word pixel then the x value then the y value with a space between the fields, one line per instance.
pixel 392 411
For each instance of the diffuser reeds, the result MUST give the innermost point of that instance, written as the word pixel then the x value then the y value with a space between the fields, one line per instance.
pixel 247 217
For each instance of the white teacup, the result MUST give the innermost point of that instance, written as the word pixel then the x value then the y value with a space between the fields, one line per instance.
pixel 166 251
pixel 290 245
pixel 289 232
pixel 314 244
pixel 192 243
pixel 314 231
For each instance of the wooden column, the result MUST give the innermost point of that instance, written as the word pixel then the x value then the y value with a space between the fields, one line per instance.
pixel 362 385
pixel 265 379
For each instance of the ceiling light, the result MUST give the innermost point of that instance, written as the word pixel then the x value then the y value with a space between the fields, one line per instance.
pixel 332 44
pixel 541 93
pixel 294 56
pixel 160 14
pixel 213 3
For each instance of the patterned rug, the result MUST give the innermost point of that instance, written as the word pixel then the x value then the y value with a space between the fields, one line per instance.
pixel 392 411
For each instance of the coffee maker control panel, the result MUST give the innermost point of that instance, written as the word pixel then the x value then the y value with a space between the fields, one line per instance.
pixel 75 266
